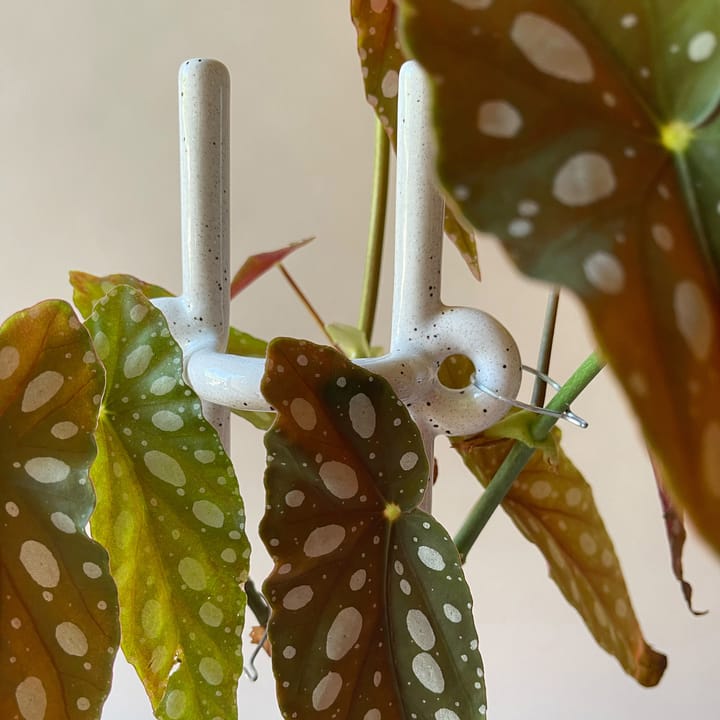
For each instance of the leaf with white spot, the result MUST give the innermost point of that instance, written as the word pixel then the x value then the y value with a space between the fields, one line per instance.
pixel 586 136
pixel 170 514
pixel 59 630
pixel 372 617
pixel 552 505
pixel 381 58
pixel 89 289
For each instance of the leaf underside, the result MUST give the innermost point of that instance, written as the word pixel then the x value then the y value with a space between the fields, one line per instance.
pixel 585 136
pixel 371 616
pixel 59 629
pixel 170 515
pixel 553 507
pixel 381 58
pixel 257 265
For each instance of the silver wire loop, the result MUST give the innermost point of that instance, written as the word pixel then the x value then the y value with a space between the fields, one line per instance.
pixel 250 670
pixel 567 415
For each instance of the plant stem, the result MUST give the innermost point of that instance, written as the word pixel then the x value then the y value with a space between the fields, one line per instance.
pixel 520 454
pixel 546 343
pixel 257 603
pixel 308 305
pixel 376 236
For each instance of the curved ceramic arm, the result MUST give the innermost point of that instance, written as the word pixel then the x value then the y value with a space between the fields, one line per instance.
pixel 424 331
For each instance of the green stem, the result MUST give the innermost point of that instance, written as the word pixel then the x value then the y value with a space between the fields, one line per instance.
pixel 520 454
pixel 546 343
pixel 376 236
pixel 257 603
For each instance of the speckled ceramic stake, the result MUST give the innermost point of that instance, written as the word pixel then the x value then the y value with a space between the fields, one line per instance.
pixel 424 331
pixel 199 318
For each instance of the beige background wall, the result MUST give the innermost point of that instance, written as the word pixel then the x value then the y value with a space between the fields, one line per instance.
pixel 89 180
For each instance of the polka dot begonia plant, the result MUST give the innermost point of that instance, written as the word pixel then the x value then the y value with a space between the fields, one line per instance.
pixel 584 135
pixel 169 511
pixel 381 57
pixel 372 617
pixel 59 629
pixel 553 507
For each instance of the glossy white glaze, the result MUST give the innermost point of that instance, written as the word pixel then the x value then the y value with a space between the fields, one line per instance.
pixel 199 318
pixel 424 330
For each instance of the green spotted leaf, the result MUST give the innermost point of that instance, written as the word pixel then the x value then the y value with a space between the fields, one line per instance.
pixel 59 629
pixel 88 289
pixel 170 514
pixel 381 57
pixel 584 135
pixel 372 617
pixel 552 505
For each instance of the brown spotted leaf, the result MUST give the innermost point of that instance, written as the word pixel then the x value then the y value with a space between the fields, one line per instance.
pixel 381 57
pixel 59 629
pixel 552 505
pixel 585 135
pixel 371 615
pixel 257 265
pixel 170 514
pixel 676 535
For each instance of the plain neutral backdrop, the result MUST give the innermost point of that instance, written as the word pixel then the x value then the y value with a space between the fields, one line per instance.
pixel 89 181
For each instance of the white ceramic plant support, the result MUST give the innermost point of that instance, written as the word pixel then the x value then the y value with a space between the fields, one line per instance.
pixel 424 331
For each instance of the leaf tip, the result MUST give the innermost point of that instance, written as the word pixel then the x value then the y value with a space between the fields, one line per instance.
pixel 651 666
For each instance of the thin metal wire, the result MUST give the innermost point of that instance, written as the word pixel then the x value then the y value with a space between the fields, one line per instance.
pixel 250 670
pixel 261 609
pixel 567 415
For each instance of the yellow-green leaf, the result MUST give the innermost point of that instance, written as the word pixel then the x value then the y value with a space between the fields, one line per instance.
pixel 59 629
pixel 170 514
pixel 464 240
pixel 552 505
pixel 352 341
pixel 88 289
